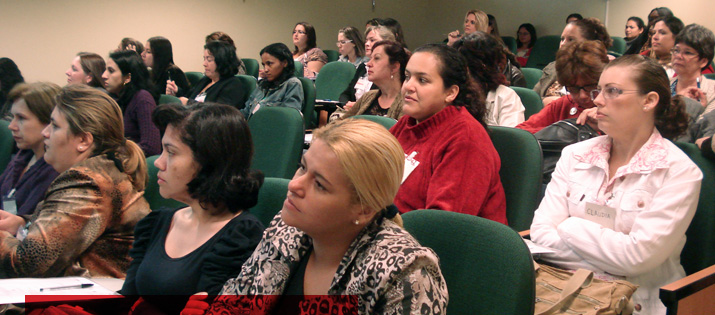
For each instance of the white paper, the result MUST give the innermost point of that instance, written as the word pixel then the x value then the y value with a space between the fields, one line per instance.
pixel 14 290
pixel 537 249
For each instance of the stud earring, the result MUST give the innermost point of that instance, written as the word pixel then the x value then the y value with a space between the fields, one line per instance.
pixel 356 222
pixel 392 76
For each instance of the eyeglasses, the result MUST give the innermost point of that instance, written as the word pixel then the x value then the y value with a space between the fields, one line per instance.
pixel 300 32
pixel 683 53
pixel 343 42
pixel 610 93
pixel 586 88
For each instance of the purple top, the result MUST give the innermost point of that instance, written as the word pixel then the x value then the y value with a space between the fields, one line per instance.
pixel 31 187
pixel 138 126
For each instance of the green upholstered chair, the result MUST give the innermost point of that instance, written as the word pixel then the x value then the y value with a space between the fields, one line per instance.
pixel 544 51
pixel 248 83
pixel 277 134
pixel 532 76
pixel 251 66
pixel 386 122
pixel 710 76
pixel 698 255
pixel 298 69
pixel 167 99
pixel 332 80
pixel 619 45
pixel 487 266
pixel 531 100
pixel 333 55
pixel 194 77
pixel 270 199
pixel 7 143
pixel 510 43
pixel 151 192
pixel 520 173
pixel 308 110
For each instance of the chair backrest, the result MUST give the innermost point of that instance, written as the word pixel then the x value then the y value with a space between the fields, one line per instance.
pixel 333 55
pixel 7 143
pixel 510 43
pixel 298 69
pixel 248 84
pixel 151 192
pixel 277 134
pixel 386 122
pixel 699 250
pixel 308 109
pixel 194 77
pixel 270 199
pixel 166 99
pixel 251 66
pixel 619 45
pixel 544 51
pixel 531 100
pixel 487 266
pixel 332 80
pixel 520 173
pixel 532 76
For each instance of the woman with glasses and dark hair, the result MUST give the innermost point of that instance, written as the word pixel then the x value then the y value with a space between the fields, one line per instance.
pixel 306 50
pixel 159 56
pixel 279 86
pixel 525 39
pixel 351 46
pixel 578 66
pixel 693 52
pixel 218 35
pixel 219 84
pixel 620 204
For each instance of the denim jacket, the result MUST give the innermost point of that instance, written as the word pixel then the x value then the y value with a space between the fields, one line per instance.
pixel 288 94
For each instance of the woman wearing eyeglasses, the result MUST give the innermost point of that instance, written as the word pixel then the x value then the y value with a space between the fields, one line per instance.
pixel 578 67
pixel 306 50
pixel 351 46
pixel 620 204
pixel 692 53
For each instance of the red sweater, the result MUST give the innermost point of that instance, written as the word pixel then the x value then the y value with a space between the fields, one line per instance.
pixel 560 109
pixel 459 167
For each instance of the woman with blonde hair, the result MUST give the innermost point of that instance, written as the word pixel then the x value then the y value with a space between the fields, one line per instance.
pixel 336 226
pixel 474 20
pixel 85 224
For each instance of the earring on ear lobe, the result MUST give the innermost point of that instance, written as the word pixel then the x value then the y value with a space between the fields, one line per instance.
pixel 392 76
pixel 356 222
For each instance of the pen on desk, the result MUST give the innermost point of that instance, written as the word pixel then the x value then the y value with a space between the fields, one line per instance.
pixel 67 287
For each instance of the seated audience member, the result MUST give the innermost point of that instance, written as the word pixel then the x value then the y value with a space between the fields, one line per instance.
pixel 475 20
pixel 578 65
pixel 159 57
pixel 634 28
pixel 373 22
pixel 306 50
pixel 127 79
pixel 387 72
pixel 351 46
pixel 587 29
pixel 9 76
pixel 509 67
pixel 205 164
pixel 452 163
pixel 620 204
pixel 493 28
pixel 395 27
pixel 483 53
pixel 128 43
pixel 360 84
pixel 692 53
pixel 219 84
pixel 663 40
pixel 279 86
pixel 336 225
pixel 221 36
pixel 27 176
pixel 85 224
pixel 573 17
pixel 87 68
pixel 642 42
pixel 525 40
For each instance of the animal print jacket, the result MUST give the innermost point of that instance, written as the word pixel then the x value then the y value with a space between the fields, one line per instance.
pixel 385 268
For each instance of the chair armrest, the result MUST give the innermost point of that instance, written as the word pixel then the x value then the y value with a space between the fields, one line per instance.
pixel 692 294
pixel 525 234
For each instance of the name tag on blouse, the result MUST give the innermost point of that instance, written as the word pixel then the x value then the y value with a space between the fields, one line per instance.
pixel 603 215
pixel 410 165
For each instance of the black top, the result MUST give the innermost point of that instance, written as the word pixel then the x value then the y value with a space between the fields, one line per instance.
pixel 349 94
pixel 375 108
pixel 153 272
pixel 175 74
pixel 707 148
pixel 228 91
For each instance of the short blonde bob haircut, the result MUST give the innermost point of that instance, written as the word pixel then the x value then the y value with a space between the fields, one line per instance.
pixel 370 156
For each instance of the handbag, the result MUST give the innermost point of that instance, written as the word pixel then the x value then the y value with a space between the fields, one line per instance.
pixel 555 137
pixel 562 292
